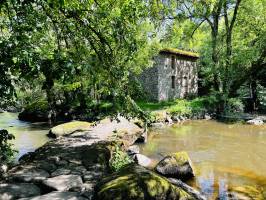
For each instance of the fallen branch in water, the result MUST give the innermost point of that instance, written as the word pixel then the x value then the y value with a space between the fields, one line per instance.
pixel 196 194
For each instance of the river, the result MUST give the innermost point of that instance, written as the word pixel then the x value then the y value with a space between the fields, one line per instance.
pixel 224 155
pixel 28 136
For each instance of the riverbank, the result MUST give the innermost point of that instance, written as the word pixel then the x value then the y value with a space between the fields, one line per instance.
pixel 73 166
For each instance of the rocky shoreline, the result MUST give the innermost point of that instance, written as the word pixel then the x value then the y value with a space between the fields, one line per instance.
pixel 162 118
pixel 75 165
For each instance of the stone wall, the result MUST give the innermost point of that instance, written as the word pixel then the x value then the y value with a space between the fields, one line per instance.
pixel 149 81
pixel 157 81
pixel 185 76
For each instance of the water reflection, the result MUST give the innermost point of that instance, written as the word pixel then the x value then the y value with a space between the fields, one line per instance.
pixel 225 156
pixel 29 136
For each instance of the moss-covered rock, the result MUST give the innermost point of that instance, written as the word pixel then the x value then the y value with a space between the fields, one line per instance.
pixel 68 128
pixel 136 182
pixel 35 112
pixel 177 165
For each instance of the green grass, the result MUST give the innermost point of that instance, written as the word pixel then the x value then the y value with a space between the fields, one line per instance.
pixel 178 106
pixel 152 106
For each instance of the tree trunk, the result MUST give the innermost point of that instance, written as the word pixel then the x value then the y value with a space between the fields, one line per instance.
pixel 229 31
pixel 214 33
pixel 217 79
pixel 254 96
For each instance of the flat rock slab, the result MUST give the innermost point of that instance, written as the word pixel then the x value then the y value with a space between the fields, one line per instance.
pixel 64 182
pixel 58 196
pixel 28 174
pixel 61 171
pixel 69 128
pixel 15 191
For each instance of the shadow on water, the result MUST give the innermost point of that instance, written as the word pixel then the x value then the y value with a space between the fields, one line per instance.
pixel 226 156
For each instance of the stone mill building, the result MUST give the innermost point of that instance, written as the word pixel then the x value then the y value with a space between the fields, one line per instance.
pixel 173 75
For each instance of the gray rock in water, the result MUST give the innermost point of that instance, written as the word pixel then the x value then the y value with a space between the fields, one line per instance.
pixel 142 160
pixel 143 138
pixel 168 120
pixel 175 118
pixel 15 191
pixel 182 118
pixel 256 121
pixel 64 182
pixel 28 174
pixel 207 117
pixel 134 149
pixel 58 196
pixel 177 165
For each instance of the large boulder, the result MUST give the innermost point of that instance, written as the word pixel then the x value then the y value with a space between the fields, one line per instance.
pixel 20 190
pixel 136 182
pixel 177 165
pixel 68 128
pixel 256 121
pixel 64 182
pixel 35 112
pixel 27 173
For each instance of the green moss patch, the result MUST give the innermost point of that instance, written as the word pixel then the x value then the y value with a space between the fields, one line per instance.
pixel 136 182
pixel 70 127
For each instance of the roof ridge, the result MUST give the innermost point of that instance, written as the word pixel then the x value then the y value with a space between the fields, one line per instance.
pixel 181 52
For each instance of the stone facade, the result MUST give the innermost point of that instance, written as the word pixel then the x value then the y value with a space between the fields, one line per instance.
pixel 174 75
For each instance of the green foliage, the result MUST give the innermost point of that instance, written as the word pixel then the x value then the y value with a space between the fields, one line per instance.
pixel 6 149
pixel 181 107
pixel 234 105
pixel 39 105
pixel 80 52
pixel 119 159
pixel 84 51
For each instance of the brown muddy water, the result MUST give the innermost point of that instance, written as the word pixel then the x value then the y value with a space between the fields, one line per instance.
pixel 28 136
pixel 225 156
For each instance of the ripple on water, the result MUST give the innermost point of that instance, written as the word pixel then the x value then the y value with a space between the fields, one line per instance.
pixel 225 156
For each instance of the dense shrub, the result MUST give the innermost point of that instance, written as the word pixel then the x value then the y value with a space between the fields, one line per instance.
pixel 234 105
pixel 181 107
pixel 119 159
pixel 6 149
pixel 39 105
